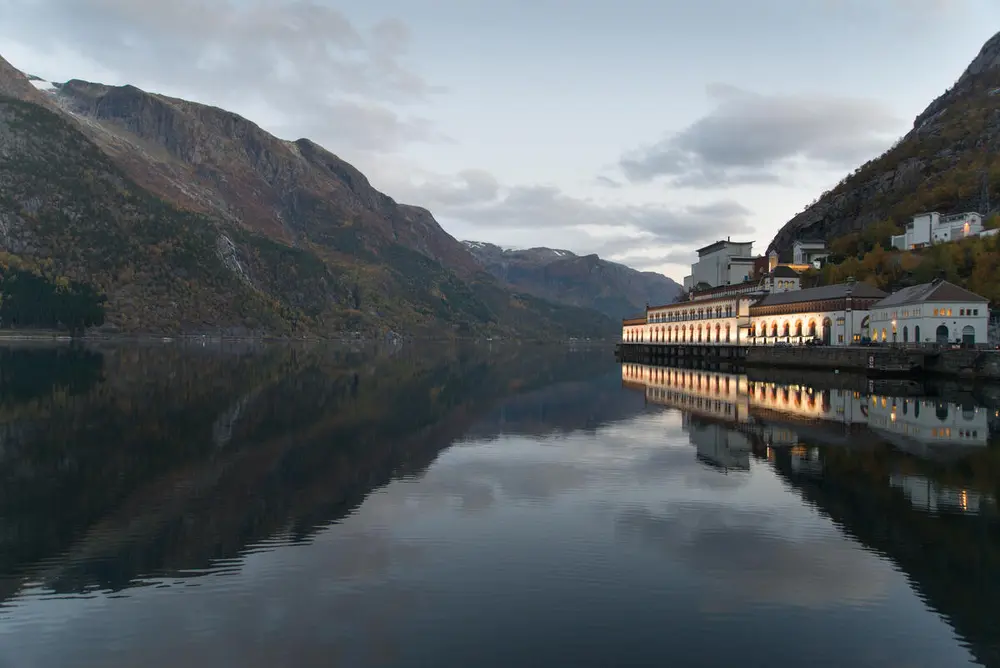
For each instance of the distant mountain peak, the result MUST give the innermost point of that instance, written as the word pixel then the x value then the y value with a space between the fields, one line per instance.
pixel 577 280
pixel 988 58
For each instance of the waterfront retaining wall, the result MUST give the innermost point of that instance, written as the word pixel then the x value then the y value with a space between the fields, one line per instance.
pixel 869 360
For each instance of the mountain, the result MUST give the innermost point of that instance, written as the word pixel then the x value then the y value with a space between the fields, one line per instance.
pixel 586 281
pixel 190 218
pixel 939 165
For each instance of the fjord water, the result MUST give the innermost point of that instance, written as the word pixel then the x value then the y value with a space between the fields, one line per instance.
pixel 487 506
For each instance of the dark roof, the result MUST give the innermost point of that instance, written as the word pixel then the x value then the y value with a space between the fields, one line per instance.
pixel 935 291
pixel 839 291
pixel 720 244
pixel 784 271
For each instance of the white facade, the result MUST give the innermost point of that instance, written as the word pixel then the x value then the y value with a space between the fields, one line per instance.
pixel 933 228
pixel 715 322
pixel 937 312
pixel 931 322
pixel 834 328
pixel 713 265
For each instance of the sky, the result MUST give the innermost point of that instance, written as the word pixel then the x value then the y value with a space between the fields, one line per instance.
pixel 640 130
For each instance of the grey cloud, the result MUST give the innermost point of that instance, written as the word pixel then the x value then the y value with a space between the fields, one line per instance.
pixel 813 572
pixel 607 182
pixel 655 261
pixel 751 138
pixel 477 200
pixel 303 58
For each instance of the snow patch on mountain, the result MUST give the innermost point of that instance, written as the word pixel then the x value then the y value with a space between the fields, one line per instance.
pixel 42 84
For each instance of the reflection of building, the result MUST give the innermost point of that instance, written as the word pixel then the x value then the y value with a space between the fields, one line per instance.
pixel 806 461
pixel 922 425
pixel 936 312
pixel 709 394
pixel 717 445
pixel 786 414
pixel 929 496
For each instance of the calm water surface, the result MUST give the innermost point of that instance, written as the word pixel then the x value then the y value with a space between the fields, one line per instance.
pixel 276 506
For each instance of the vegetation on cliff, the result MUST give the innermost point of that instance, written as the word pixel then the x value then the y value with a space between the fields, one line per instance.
pixel 942 165
pixel 971 263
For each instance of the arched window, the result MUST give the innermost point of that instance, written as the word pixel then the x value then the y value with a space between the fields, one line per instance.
pixel 774 328
pixel 916 334
pixel 798 328
pixel 786 329
pixel 812 328
pixel 906 334
pixel 717 329
pixel 727 339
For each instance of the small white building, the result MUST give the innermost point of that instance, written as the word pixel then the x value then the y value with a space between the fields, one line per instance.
pixel 931 228
pixel 809 251
pixel 936 312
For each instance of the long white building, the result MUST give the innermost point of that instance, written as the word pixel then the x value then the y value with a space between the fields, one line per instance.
pixel 770 307
pixel 833 314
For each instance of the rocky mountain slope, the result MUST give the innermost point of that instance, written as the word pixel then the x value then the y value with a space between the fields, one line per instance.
pixel 587 281
pixel 191 218
pixel 938 166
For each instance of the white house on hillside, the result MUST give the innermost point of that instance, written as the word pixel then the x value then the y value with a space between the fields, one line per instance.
pixel 936 312
pixel 933 228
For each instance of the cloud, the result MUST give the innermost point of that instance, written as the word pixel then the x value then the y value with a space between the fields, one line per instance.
pixel 607 182
pixel 819 571
pixel 751 138
pixel 306 60
pixel 478 200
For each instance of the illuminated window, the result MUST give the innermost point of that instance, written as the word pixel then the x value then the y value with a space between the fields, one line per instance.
pixel 935 312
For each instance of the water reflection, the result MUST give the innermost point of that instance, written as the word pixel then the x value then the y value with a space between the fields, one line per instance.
pixel 912 476
pixel 274 505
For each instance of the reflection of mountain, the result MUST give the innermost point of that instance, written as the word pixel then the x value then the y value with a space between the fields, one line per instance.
pixel 563 407
pixel 181 458
pixel 951 559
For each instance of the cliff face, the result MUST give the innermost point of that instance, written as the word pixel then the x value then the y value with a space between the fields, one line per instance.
pixel 939 165
pixel 217 162
pixel 191 218
pixel 586 281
